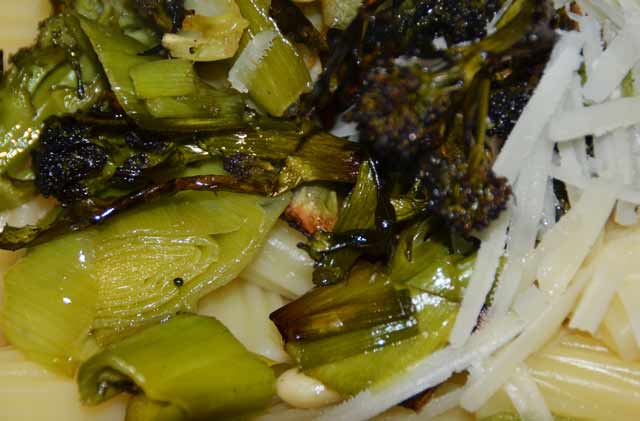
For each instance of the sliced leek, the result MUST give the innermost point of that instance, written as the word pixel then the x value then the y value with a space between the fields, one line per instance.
pixel 50 299
pixel 119 54
pixel 143 265
pixel 269 68
pixel 190 367
pixel 204 241
pixel 363 331
pixel 282 266
pixel 164 78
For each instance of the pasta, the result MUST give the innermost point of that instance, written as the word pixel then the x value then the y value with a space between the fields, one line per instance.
pixel 29 392
pixel 244 308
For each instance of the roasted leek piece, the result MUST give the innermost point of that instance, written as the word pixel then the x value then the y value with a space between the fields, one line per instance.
pixel 190 367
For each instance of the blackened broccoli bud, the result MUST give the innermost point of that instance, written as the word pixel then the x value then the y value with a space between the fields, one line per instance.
pixel 454 20
pixel 145 141
pixel 399 110
pixel 64 158
pixel 420 118
pixel 505 107
pixel 467 198
pixel 412 26
pixel 132 169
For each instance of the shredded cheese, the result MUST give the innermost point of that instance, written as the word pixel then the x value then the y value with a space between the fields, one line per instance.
pixel 565 61
pixel 595 120
pixel 617 60
pixel 441 404
pixel 564 247
pixel 629 294
pixel 618 259
pixel 427 373
pixel 482 278
pixel 500 367
pixel 527 212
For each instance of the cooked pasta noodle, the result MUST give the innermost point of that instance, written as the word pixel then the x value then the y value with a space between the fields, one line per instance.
pixel 29 392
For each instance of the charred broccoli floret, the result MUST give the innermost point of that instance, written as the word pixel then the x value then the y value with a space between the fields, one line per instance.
pixel 402 106
pixel 419 27
pixel 429 124
pixel 66 157
pixel 441 120
pixel 75 161
pixel 467 196
pixel 455 21
pixel 505 106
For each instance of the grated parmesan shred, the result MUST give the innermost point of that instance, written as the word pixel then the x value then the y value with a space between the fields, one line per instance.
pixel 611 67
pixel 427 373
pixel 500 367
pixel 617 260
pixel 441 404
pixel 548 96
pixel 482 278
pixel 563 249
pixel 595 120
pixel 528 206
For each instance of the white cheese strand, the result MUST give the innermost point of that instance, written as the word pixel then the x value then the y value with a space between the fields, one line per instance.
pixel 565 61
pixel 629 294
pixel 482 278
pixel 605 9
pixel 535 335
pixel 441 404
pixel 427 373
pixel 595 120
pixel 626 214
pixel 527 212
pixel 564 247
pixel 618 259
pixel 617 60
pixel 628 194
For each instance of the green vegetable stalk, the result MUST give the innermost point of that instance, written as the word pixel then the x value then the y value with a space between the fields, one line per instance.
pixel 278 76
pixel 128 69
pixel 188 368
pixel 69 295
pixel 364 330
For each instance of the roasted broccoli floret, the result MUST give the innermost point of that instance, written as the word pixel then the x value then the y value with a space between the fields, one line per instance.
pixel 427 122
pixel 454 21
pixel 402 106
pixel 75 161
pixel 440 119
pixel 66 157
